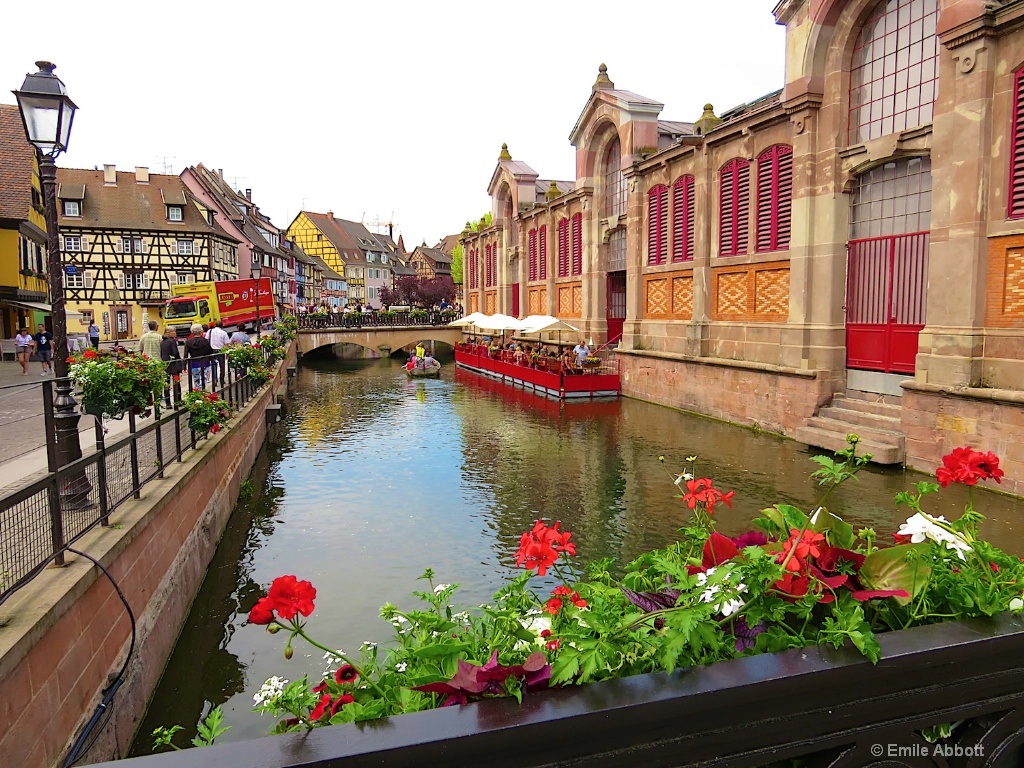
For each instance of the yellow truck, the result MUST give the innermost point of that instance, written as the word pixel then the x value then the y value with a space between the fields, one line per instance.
pixel 236 302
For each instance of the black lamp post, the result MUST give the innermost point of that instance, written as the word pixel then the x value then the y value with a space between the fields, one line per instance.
pixel 47 113
pixel 257 270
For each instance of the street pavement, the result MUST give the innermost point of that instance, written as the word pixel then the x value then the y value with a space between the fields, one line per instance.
pixel 22 429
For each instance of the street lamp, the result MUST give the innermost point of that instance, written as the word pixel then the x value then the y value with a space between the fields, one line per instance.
pixel 47 113
pixel 256 270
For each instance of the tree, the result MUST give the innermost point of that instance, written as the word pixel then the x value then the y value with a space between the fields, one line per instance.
pixel 414 291
pixel 457 264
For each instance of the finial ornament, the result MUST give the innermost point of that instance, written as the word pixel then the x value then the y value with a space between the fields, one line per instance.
pixel 504 153
pixel 603 81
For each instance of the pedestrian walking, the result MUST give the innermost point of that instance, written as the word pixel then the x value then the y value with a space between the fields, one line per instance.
pixel 218 339
pixel 94 335
pixel 149 342
pixel 170 354
pixel 199 352
pixel 43 344
pixel 23 349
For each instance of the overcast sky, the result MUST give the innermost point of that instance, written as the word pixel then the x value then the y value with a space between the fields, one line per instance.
pixel 376 109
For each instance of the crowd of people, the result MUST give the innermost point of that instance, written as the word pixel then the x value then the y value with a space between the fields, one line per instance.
pixel 422 359
pixel 570 361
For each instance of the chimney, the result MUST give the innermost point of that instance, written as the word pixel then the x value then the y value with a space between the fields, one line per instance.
pixel 141 175
pixel 330 215
pixel 220 172
pixel 391 230
pixel 109 176
pixel 248 195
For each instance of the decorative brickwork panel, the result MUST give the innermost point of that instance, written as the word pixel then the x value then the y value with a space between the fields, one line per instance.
pixel 657 302
pixel 564 300
pixel 733 294
pixel 533 302
pixel 1004 284
pixel 771 292
pixel 543 300
pixel 682 297
pixel 474 302
pixel 490 303
pixel 756 293
pixel 577 300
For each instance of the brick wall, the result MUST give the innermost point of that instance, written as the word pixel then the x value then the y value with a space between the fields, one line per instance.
pixel 936 422
pixel 773 399
pixel 65 632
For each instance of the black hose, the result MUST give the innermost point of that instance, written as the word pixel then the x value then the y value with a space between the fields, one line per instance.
pixel 80 748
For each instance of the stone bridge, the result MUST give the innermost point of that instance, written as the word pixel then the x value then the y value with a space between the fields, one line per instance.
pixel 379 338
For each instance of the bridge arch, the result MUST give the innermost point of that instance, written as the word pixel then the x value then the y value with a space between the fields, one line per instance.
pixel 375 338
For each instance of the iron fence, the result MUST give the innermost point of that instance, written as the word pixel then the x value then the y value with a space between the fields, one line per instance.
pixel 377 319
pixel 42 518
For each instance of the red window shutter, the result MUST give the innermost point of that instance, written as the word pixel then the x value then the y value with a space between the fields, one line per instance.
pixel 657 229
pixel 533 254
pixel 577 244
pixel 543 254
pixel 563 248
pixel 1016 209
pixel 774 197
pixel 690 214
pixel 487 265
pixel 734 214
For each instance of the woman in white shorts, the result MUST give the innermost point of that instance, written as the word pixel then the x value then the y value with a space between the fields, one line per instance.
pixel 23 348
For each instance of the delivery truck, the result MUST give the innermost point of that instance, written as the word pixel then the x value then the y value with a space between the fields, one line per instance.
pixel 235 302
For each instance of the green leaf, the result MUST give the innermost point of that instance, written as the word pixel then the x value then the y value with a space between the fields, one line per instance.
pixel 434 651
pixel 837 531
pixel 794 517
pixel 902 567
pixel 565 667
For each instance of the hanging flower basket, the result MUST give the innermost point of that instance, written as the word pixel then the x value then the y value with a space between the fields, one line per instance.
pixel 111 385
pixel 207 412
pixel 243 356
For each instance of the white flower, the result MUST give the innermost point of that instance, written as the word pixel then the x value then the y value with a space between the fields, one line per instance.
pixel 441 588
pixel 727 604
pixel 331 658
pixel 683 477
pixel 368 644
pixel 401 666
pixel 1017 604
pixel 921 527
pixel 539 624
pixel 460 616
pixel 814 517
pixel 270 691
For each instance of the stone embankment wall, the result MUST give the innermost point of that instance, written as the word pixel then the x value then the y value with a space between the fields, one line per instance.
pixel 64 636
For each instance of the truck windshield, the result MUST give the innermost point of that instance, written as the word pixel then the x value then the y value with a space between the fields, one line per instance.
pixel 180 309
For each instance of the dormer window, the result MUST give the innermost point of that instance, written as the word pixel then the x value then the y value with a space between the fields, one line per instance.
pixel 72 208
pixel 175 213
pixel 371 257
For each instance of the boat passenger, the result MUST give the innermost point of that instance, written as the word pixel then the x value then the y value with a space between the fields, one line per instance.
pixel 428 361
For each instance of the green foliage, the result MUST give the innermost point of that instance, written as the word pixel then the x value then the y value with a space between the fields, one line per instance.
pixel 207 412
pixel 210 728
pixel 457 264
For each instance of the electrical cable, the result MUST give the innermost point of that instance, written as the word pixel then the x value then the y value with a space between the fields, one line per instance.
pixel 80 748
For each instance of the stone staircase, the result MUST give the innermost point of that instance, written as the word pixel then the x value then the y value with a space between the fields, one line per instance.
pixel 876 418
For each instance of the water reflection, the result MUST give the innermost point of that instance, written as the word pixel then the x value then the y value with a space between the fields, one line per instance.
pixel 377 477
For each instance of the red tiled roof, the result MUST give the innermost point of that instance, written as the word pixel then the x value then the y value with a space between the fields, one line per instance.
pixel 131 205
pixel 16 169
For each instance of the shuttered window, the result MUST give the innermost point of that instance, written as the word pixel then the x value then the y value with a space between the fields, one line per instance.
pixel 657 224
pixel 563 248
pixel 532 247
pixel 774 197
pixel 1017 152
pixel 488 266
pixel 577 244
pixel 734 213
pixel 682 219
pixel 474 268
pixel 542 254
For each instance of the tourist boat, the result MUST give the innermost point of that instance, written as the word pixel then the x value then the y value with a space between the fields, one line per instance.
pixel 545 377
pixel 431 372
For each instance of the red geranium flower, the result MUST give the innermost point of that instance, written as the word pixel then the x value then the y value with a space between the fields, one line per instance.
pixel 321 707
pixel 262 612
pixel 578 601
pixel 545 633
pixel 346 674
pixel 702 490
pixel 967 466
pixel 289 596
pixel 540 547
pixel 562 591
pixel 553 606
pixel 553 645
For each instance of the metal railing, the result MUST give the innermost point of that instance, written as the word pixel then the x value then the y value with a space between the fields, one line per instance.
pixel 376 319
pixel 544 362
pixel 42 518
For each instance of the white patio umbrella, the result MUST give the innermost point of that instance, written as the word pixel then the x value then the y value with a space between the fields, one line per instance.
pixel 545 323
pixel 498 322
pixel 469 319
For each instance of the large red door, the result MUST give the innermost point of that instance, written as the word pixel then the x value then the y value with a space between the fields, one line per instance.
pixel 886 294
pixel 515 299
pixel 615 313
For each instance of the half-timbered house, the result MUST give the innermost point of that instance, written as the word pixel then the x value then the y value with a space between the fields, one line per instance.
pixel 430 262
pixel 127 237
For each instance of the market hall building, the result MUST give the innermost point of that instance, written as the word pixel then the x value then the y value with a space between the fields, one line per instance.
pixel 844 255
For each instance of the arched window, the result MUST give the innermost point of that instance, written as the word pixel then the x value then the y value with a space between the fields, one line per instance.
pixel 542 254
pixel 894 198
pixel 577 244
pixel 657 224
pixel 563 248
pixel 734 212
pixel 894 72
pixel 532 249
pixel 682 219
pixel 774 197
pixel 614 181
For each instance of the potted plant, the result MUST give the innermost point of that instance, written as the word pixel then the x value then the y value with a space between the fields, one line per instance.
pixel 111 384
pixel 243 356
pixel 207 412
pixel 591 362
pixel 797 579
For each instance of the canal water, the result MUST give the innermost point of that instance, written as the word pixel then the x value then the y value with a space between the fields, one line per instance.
pixel 373 477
